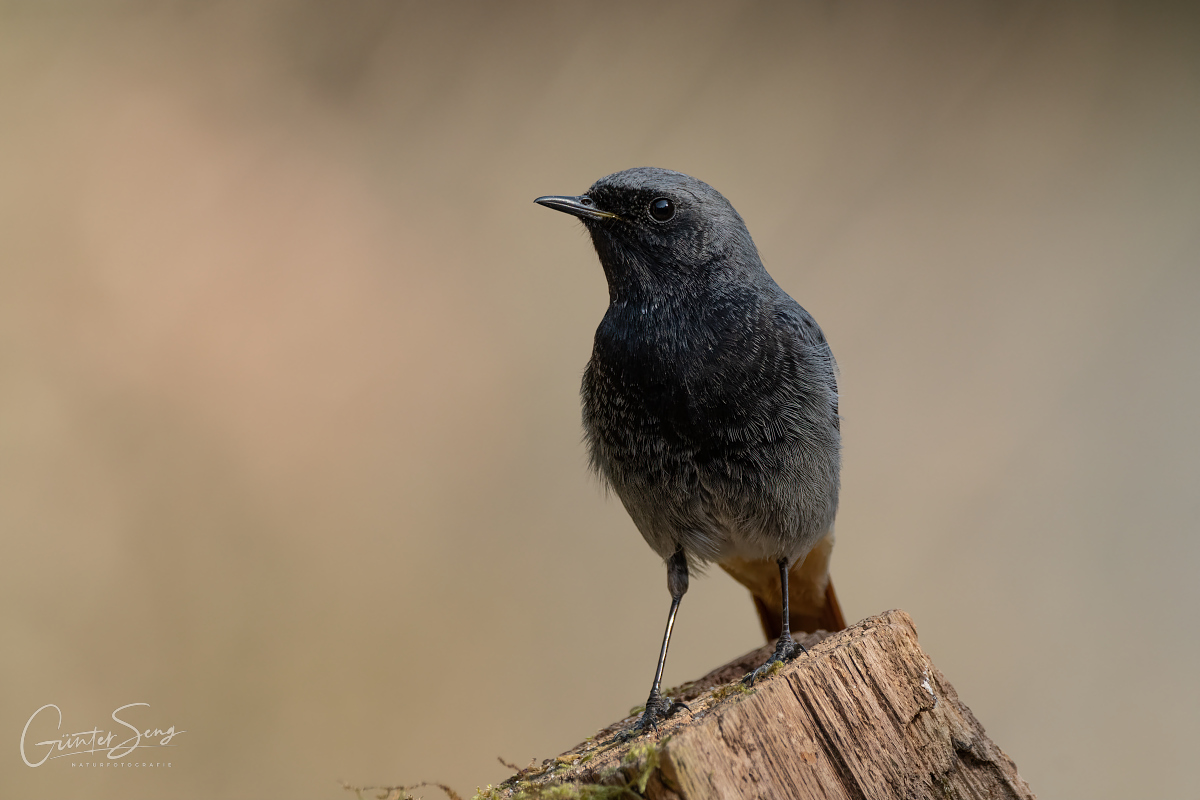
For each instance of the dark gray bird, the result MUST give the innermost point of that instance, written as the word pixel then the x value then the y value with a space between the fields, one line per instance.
pixel 710 403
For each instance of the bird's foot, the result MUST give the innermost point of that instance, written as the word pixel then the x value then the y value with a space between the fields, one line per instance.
pixel 658 708
pixel 787 649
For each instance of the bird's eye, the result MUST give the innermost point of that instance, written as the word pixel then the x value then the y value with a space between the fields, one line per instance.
pixel 662 209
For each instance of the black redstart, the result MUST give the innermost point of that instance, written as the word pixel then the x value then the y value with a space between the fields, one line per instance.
pixel 710 403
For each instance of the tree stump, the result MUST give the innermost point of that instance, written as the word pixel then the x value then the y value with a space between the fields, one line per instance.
pixel 865 714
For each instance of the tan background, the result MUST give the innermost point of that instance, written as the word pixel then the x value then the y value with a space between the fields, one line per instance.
pixel 289 439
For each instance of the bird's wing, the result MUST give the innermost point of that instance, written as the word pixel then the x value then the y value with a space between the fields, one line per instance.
pixel 808 334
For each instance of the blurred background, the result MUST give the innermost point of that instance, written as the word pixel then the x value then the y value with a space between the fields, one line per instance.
pixel 289 361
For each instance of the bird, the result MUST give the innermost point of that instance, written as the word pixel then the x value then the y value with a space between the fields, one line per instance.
pixel 710 405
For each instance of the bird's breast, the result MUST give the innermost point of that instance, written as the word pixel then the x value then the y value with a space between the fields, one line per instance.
pixel 647 366
pixel 698 424
pixel 714 376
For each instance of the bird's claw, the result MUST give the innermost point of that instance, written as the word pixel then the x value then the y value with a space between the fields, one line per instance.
pixel 658 708
pixel 786 650
pixel 765 669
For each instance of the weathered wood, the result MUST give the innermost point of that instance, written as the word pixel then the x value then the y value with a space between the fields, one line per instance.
pixel 865 714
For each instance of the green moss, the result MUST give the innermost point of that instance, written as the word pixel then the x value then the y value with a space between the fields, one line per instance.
pixel 730 689
pixel 564 791
pixel 645 757
pixel 640 762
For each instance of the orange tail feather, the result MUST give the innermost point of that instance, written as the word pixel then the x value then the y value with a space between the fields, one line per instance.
pixel 812 602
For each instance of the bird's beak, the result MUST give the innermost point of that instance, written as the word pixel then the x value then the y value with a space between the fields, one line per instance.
pixel 581 206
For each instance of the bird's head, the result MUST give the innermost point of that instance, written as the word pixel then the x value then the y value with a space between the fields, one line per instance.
pixel 659 231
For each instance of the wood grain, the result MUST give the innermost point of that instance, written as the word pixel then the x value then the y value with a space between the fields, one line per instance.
pixel 865 714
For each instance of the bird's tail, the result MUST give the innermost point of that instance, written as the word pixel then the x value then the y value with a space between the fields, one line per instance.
pixel 812 603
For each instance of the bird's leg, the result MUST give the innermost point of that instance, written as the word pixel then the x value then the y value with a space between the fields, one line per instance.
pixel 657 706
pixel 786 648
